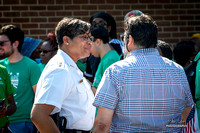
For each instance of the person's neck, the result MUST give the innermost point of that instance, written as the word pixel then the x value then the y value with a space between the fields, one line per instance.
pixel 15 57
pixel 104 50
pixel 135 47
pixel 71 55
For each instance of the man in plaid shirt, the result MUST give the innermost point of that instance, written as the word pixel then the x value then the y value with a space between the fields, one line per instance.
pixel 144 92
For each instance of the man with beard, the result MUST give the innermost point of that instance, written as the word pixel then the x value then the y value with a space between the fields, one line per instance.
pixel 24 74
pixel 145 91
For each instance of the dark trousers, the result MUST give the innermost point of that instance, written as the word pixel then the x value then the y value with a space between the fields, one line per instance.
pixel 75 131
pixel 5 130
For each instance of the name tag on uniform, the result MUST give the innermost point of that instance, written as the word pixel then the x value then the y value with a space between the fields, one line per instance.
pixel 60 64
pixel 71 66
pixel 81 81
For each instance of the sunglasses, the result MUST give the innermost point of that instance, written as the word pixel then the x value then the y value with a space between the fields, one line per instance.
pixel 2 43
pixel 45 51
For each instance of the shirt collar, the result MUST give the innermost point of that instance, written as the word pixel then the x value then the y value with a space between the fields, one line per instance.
pixel 116 41
pixel 67 58
pixel 146 51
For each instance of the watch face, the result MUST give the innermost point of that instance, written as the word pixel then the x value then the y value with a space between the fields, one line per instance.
pixel 2 103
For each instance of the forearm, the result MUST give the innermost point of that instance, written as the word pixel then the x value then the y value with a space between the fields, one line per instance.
pixel 40 117
pixel 101 128
pixel 10 109
pixel 103 120
pixel 46 125
pixel 94 90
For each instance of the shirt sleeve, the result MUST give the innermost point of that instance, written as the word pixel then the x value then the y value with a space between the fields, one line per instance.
pixel 107 92
pixel 52 88
pixel 100 71
pixel 35 73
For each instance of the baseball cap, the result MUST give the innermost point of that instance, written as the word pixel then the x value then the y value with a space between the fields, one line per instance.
pixel 133 13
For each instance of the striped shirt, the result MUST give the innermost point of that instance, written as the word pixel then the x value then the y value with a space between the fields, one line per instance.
pixel 116 41
pixel 146 91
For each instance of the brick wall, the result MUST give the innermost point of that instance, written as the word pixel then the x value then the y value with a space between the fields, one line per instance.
pixel 177 19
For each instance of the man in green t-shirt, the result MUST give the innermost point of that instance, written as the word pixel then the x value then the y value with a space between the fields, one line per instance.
pixel 101 48
pixel 24 74
pixel 6 93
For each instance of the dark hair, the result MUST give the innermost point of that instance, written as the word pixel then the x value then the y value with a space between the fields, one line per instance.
pixel 143 29
pixel 183 51
pixel 165 48
pixel 110 22
pixel 70 27
pixel 100 32
pixel 51 38
pixel 14 34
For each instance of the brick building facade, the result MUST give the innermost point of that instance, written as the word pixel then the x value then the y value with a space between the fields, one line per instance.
pixel 177 19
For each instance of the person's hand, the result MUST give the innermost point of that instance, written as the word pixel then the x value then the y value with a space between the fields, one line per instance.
pixel 3 110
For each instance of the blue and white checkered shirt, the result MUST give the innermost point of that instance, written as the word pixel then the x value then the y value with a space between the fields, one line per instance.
pixel 146 91
pixel 116 41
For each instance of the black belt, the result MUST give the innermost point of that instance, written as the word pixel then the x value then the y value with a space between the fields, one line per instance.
pixel 75 131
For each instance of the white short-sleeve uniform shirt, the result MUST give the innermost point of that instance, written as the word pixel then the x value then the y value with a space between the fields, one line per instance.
pixel 62 85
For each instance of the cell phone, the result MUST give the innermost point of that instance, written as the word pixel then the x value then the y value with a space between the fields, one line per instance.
pixel 2 103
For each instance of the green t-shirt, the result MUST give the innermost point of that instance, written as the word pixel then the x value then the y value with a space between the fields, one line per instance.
pixel 81 65
pixel 6 89
pixel 197 79
pixel 107 60
pixel 42 66
pixel 197 85
pixel 24 74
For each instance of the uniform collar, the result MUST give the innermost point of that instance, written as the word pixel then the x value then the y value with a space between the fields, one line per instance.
pixel 67 58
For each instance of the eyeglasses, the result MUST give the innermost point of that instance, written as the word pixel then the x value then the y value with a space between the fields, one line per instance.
pixel 2 43
pixel 45 51
pixel 86 38
pixel 94 24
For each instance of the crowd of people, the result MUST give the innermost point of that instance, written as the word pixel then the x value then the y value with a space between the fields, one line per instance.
pixel 82 79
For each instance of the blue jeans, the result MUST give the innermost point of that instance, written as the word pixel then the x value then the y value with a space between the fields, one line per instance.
pixel 23 127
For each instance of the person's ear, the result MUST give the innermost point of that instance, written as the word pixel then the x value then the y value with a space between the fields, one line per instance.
pixel 109 29
pixel 66 40
pixel 98 42
pixel 130 43
pixel 15 44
